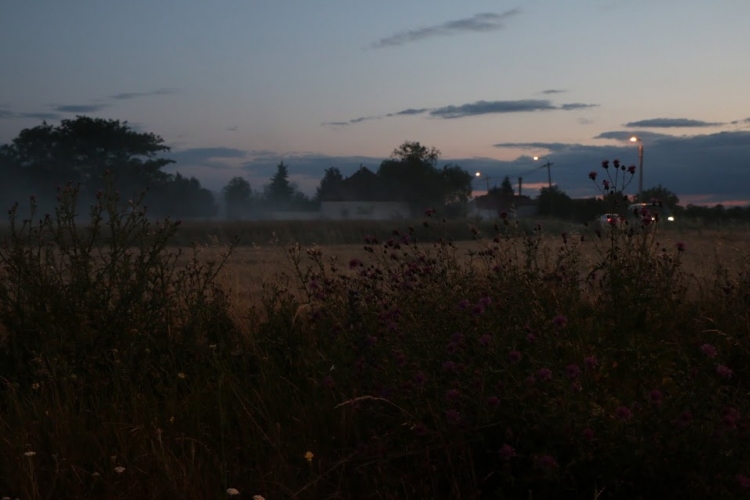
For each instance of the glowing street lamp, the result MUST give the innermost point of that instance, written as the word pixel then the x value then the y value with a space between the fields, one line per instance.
pixel 548 165
pixel 640 164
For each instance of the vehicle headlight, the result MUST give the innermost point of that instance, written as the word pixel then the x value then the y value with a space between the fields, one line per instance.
pixel 670 218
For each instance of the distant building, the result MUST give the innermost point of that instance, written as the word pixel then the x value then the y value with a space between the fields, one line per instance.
pixel 490 206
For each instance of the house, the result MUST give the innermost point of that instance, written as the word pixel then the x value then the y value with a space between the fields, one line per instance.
pixel 361 196
pixel 491 205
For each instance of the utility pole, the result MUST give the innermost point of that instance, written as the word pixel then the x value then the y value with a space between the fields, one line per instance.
pixel 548 165
pixel 520 181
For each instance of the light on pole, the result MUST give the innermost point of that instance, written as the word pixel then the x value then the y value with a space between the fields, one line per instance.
pixel 548 165
pixel 640 164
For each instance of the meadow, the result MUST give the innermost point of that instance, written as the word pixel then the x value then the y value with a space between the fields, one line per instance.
pixel 416 359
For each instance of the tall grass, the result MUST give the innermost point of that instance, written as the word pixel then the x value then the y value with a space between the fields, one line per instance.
pixel 410 370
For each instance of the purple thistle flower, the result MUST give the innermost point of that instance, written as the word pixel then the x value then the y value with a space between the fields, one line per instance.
pixel 724 372
pixel 420 378
pixel 680 246
pixel 544 374
pixel 514 356
pixel 452 395
pixel 655 397
pixel 530 338
pixel 560 321
pixel 623 413
pixel 449 366
pixel 588 434
pixel 354 263
pixel 605 164
pixel 590 362
pixel 546 461
pixel 631 169
pixel 453 417
pixel 573 371
pixel 592 175
pixel 464 304
pixel 743 481
pixel 605 183
pixel 506 452
pixel 709 350
pixel 493 402
pixel 457 337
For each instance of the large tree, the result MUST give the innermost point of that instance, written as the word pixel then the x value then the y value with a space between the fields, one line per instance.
pixel 280 191
pixel 659 194
pixel 411 175
pixel 330 186
pixel 83 149
pixel 237 195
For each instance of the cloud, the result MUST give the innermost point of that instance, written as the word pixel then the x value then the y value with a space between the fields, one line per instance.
pixel 491 107
pixel 479 23
pixel 206 157
pixel 553 91
pixel 133 95
pixel 671 123
pixel 409 112
pixel 352 121
pixel 577 105
pixel 233 128
pixel 625 135
pixel 80 108
pixel 738 122
pixel 7 114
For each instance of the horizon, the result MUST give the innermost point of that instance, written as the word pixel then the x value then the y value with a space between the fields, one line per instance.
pixel 235 89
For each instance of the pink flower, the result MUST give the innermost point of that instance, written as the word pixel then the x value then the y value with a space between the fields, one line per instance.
pixel 573 371
pixel 631 169
pixel 605 164
pixel 709 350
pixel 354 263
pixel 506 452
pixel 623 413
pixel 724 372
pixel 591 362
pixel 605 183
pixel 546 461
pixel 592 175
pixel 544 374
pixel 680 246
pixel 560 321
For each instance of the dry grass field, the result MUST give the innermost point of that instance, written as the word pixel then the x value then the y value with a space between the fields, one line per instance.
pixel 249 267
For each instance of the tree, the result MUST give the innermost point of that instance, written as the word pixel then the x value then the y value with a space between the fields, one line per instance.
pixel 411 175
pixel 553 201
pixel 280 191
pixel 83 150
pixel 659 193
pixel 237 194
pixel 506 188
pixel 330 186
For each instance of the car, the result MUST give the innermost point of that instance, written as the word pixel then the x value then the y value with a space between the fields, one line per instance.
pixel 610 220
pixel 657 211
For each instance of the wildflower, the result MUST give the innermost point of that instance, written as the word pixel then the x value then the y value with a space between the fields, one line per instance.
pixel 631 169
pixel 464 304
pixel 709 350
pixel 309 456
pixel 449 366
pixel 429 212
pixel 605 164
pixel 724 371
pixel 587 434
pixel 35 386
pixel 592 175
pixel 119 469
pixel 743 481
pixel 573 371
pixel 514 356
pixel 453 416
pixel 452 395
pixel 616 163
pixel 493 401
pixel 544 374
pixel 420 378
pixel 623 413
pixel 354 263
pixel 506 452
pixel 655 397
pixel 232 492
pixel 591 362
pixel 605 183
pixel 503 215
pixel 546 461
pixel 531 338
pixel 680 246
pixel 485 340
pixel 560 321
pixel 258 497
pixel 731 417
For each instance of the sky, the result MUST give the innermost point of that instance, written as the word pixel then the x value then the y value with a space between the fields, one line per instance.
pixel 235 87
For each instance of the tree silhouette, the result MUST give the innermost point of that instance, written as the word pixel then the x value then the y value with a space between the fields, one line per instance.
pixel 330 186
pixel 280 191
pixel 661 194
pixel 237 194
pixel 506 188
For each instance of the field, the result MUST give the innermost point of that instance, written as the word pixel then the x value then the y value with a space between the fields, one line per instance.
pixel 437 360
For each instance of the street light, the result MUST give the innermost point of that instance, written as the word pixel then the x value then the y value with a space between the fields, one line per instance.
pixel 548 165
pixel 486 178
pixel 640 164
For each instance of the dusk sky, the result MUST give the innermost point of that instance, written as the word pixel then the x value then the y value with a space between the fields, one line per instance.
pixel 234 87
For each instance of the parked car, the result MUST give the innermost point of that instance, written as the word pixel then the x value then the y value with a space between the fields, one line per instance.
pixel 610 220
pixel 656 211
